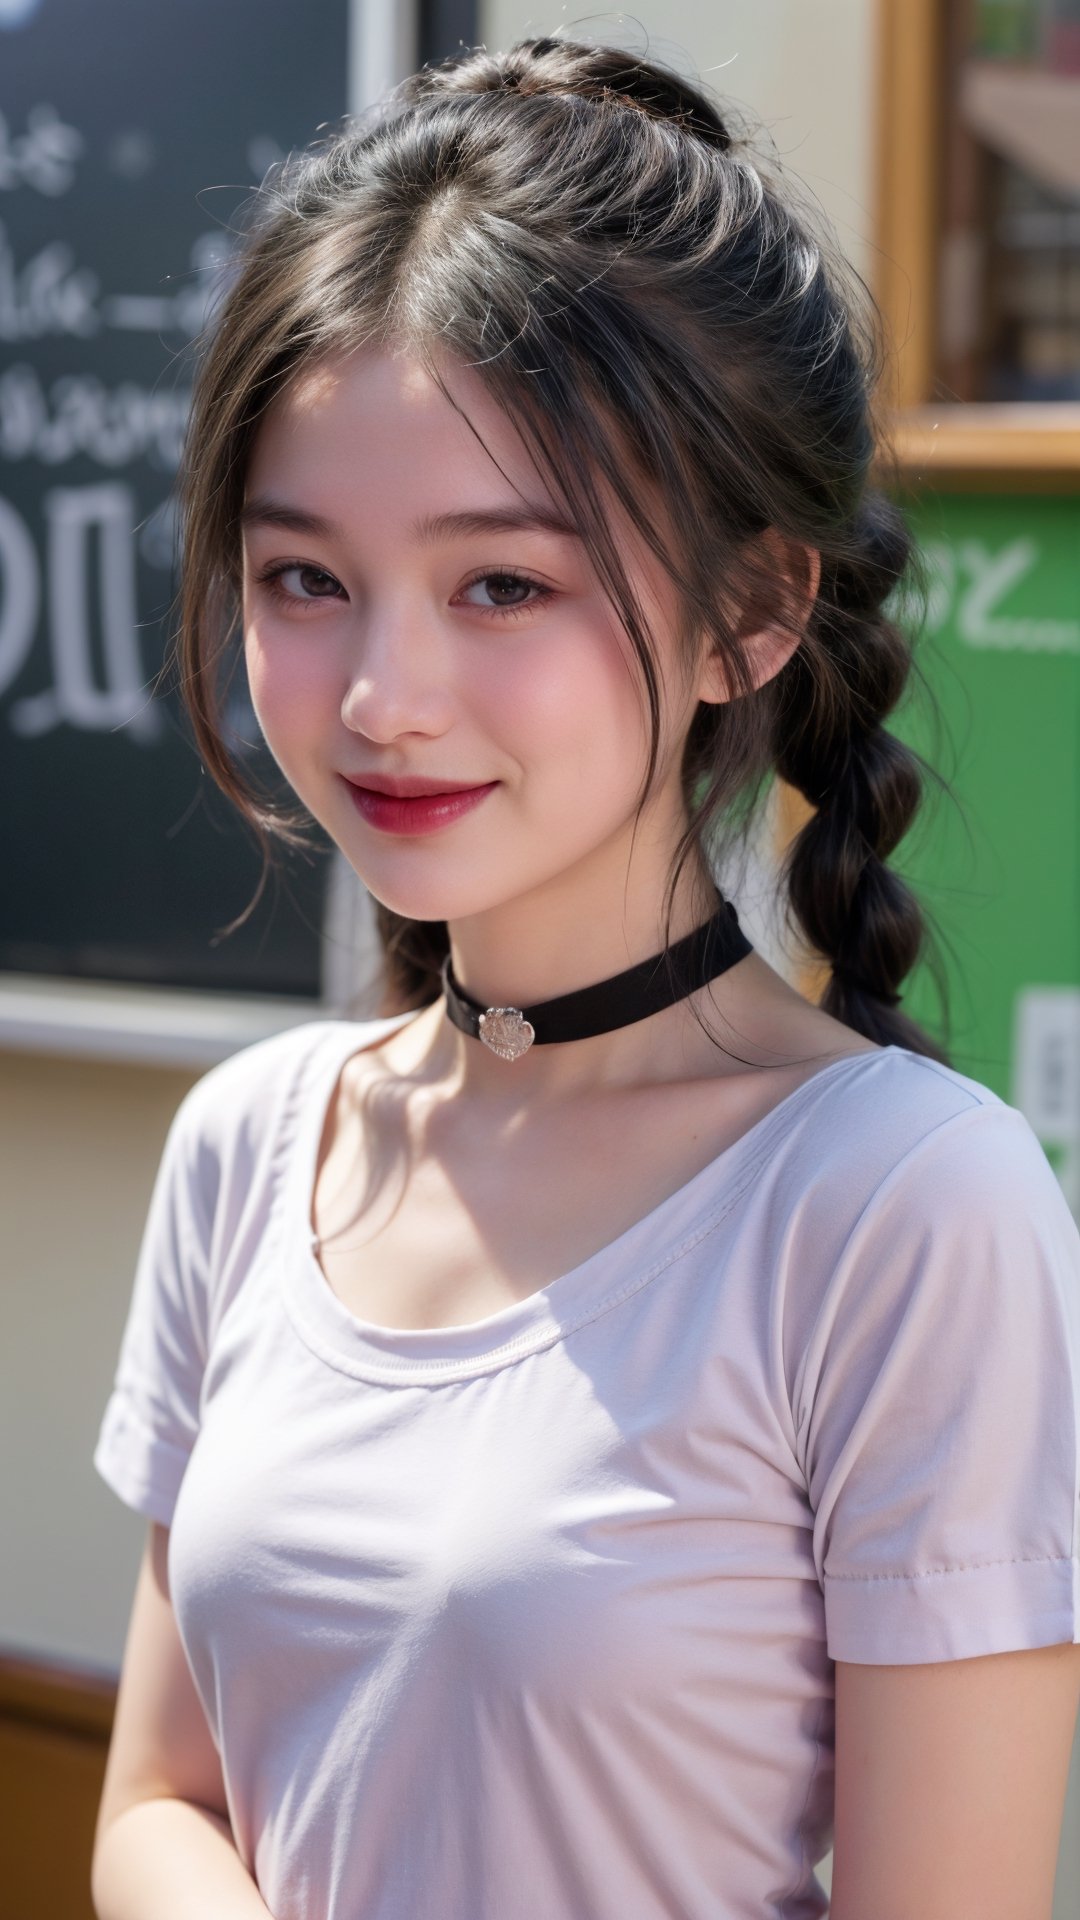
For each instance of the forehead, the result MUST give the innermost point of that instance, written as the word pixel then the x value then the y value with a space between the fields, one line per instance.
pixel 383 417
pixel 369 442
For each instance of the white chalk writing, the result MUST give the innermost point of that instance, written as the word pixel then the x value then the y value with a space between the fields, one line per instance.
pixel 991 576
pixel 43 157
pixel 80 415
pixel 968 581
pixel 20 600
pixel 48 295
pixel 75 517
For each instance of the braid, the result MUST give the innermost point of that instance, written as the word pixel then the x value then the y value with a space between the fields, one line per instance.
pixel 864 784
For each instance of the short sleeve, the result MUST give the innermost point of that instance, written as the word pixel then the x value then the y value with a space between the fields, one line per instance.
pixel 151 1419
pixel 941 1406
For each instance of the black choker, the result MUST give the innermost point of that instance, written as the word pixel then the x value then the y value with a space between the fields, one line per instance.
pixel 643 989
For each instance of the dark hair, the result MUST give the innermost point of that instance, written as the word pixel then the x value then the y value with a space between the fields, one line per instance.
pixel 583 229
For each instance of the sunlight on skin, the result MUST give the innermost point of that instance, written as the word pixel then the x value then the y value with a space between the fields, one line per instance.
pixel 411 676
pixel 392 655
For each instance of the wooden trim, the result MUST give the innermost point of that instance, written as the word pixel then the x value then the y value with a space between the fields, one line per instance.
pixel 55 1729
pixel 974 445
pixel 906 197
pixel 57 1695
pixel 984 446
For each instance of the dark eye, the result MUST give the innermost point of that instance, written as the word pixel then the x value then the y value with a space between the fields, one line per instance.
pixel 499 584
pixel 316 583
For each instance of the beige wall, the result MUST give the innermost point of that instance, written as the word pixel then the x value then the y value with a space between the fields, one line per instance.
pixel 79 1146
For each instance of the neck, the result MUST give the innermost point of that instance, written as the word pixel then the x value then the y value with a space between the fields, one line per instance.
pixel 496 966
pixel 588 920
pixel 554 940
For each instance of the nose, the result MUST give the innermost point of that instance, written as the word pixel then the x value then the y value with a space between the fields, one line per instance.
pixel 398 676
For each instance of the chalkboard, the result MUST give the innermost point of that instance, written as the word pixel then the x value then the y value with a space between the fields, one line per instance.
pixel 129 137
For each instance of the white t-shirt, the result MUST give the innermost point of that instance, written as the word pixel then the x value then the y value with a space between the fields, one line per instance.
pixel 534 1619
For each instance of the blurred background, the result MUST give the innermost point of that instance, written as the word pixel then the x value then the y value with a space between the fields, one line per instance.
pixel 942 138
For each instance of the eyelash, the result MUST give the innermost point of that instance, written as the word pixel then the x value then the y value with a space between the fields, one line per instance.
pixel 271 579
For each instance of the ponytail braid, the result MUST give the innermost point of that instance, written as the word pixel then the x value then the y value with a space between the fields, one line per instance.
pixel 864 784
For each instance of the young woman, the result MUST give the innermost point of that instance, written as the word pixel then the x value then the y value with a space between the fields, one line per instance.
pixel 608 1426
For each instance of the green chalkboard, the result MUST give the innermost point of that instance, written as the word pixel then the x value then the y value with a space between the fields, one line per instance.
pixel 998 869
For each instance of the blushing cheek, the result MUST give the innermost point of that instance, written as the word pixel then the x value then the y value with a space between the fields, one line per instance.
pixel 567 711
pixel 568 693
pixel 590 711
pixel 285 696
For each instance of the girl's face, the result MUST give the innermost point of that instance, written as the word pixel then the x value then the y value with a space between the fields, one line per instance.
pixel 408 614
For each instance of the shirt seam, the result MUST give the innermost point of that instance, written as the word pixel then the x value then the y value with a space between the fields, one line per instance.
pixel 964 1566
pixel 124 1401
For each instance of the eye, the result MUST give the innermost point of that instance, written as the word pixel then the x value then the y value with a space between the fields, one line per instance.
pixel 504 581
pixel 274 577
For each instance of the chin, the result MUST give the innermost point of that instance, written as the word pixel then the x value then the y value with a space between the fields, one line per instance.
pixel 435 902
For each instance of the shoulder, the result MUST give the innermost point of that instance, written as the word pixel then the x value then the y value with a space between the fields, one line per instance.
pixel 915 1084
pixel 876 1114
pixel 240 1108
pixel 917 1180
pixel 956 1144
pixel 902 1166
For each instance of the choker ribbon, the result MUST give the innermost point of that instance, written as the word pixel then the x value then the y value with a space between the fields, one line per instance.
pixel 641 990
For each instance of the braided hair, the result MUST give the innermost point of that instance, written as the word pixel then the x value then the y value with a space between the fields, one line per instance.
pixel 657 310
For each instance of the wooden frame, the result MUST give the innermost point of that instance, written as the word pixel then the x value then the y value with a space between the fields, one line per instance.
pixel 973 446
pixel 55 1724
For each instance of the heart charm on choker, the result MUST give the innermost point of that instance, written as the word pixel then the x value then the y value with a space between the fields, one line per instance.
pixel 641 990
pixel 506 1031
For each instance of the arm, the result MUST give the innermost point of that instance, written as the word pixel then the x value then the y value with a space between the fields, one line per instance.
pixel 165 1859
pixel 163 1846
pixel 950 1785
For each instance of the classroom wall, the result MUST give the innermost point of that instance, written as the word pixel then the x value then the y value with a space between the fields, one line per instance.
pixel 80 1139
pixel 79 1145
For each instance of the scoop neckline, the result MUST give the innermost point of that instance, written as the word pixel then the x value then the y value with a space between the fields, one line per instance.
pixel 427 1355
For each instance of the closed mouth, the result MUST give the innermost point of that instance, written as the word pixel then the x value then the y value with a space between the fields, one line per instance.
pixel 415 788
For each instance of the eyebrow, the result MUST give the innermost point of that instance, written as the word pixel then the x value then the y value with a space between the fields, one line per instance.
pixel 262 511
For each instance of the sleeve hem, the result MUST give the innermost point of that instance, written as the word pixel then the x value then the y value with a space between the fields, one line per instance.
pixel 142 1468
pixel 957 1614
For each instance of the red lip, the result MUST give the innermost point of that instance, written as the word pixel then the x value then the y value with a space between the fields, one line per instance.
pixel 409 786
pixel 422 812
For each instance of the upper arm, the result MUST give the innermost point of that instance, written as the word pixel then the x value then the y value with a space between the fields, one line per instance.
pixel 950 1785
pixel 939 1407
pixel 161 1746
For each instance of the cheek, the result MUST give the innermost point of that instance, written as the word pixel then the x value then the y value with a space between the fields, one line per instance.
pixel 286 686
pixel 566 701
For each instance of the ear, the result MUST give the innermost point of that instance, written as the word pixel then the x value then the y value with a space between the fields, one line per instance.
pixel 785 576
